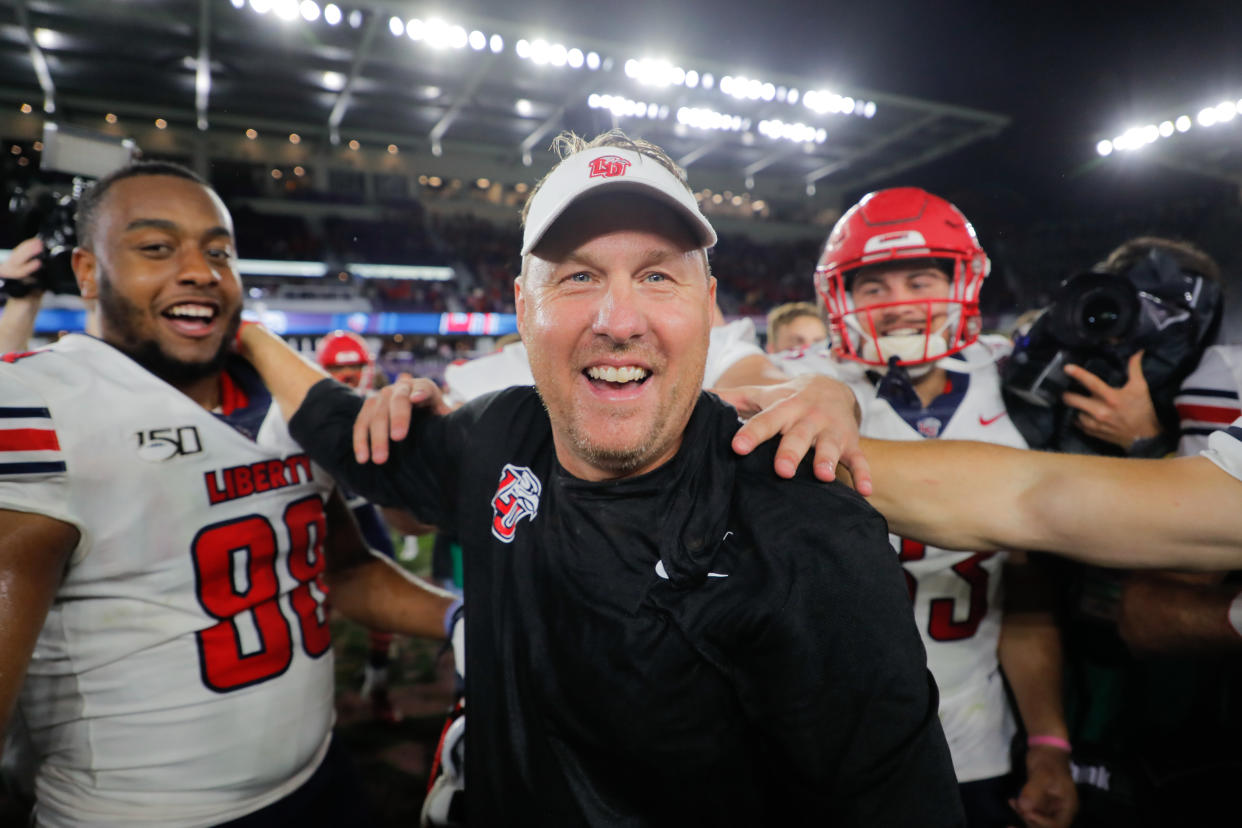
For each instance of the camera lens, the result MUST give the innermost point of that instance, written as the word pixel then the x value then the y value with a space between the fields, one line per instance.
pixel 1100 314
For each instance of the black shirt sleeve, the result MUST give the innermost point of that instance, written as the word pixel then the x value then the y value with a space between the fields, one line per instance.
pixel 421 472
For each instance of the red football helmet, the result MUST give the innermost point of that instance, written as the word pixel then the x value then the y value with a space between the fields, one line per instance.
pixel 344 354
pixel 902 224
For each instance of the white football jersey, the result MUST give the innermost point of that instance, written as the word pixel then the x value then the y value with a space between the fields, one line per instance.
pixel 184 674
pixel 1225 448
pixel 957 595
pixel 1208 398
pixel 510 366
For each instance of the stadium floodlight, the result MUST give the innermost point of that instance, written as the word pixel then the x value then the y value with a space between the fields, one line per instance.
pixel 622 106
pixel 1225 111
pixel 797 132
pixel 704 118
pixel 1166 129
pixel 523 49
pixel 631 68
pixel 1182 123
pixel 396 26
pixel 523 107
pixel 478 40
pixel 332 14
pixel 286 10
pixel 574 58
pixel 707 80
pixel 355 18
pixel 767 92
pixel 1207 116
pixel 1104 147
pixel 261 6
pixel 414 29
pixel 792 96
pixel 558 55
pixel 540 51
pixel 496 43
pixel 238 4
pixel 692 78
pixel 592 61
pixel 869 109
pixel 333 81
pixel 310 10
pixel 457 37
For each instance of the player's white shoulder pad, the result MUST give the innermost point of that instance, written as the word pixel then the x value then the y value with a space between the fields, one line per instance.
pixel 1208 399
pixel 729 343
pixel 1225 449
pixel 817 358
pixel 988 350
pixel 505 368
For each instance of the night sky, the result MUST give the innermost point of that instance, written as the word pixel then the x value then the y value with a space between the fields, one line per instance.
pixel 1066 73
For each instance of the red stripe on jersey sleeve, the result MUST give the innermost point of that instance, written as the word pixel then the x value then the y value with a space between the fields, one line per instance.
pixel 28 439
pixel 1207 413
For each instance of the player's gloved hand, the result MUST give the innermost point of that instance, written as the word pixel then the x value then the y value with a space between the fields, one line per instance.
pixel 1049 798
pixel 386 415
pixel 809 410
pixel 1116 415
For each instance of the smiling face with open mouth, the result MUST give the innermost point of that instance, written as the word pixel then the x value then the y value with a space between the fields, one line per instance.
pixel 614 307
pixel 163 269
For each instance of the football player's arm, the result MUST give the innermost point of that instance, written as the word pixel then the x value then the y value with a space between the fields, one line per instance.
pixel 286 373
pixel 1137 514
pixel 1180 613
pixel 1030 654
pixel 34 550
pixel 405 523
pixel 372 589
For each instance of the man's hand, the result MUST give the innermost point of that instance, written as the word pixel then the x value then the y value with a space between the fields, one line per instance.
pixel 23 260
pixel 1049 798
pixel 1116 415
pixel 809 410
pixel 386 415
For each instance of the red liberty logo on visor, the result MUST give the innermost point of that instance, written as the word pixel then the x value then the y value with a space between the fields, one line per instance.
pixel 607 166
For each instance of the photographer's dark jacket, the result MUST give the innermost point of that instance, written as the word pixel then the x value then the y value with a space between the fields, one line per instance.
pixel 705 644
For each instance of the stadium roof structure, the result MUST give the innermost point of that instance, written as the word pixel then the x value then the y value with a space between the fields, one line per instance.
pixel 494 92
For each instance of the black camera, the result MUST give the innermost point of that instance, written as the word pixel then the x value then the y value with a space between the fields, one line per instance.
pixel 49 215
pixel 1091 322
pixel 1098 320
pixel 70 160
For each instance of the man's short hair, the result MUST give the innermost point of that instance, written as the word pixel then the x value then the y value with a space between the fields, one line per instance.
pixel 88 206
pixel 569 143
pixel 782 315
pixel 1189 256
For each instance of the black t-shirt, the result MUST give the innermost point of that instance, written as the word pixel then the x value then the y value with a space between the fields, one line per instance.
pixel 705 644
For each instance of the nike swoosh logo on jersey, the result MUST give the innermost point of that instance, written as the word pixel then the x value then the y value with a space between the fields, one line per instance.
pixel 990 420
pixel 663 573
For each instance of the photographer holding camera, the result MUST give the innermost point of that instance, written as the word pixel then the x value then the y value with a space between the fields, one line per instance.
pixel 17 319
pixel 1097 373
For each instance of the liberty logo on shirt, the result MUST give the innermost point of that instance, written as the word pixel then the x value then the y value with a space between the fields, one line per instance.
pixel 516 497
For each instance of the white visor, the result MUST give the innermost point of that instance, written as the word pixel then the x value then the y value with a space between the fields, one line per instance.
pixel 588 172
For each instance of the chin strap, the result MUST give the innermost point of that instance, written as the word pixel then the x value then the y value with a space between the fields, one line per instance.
pixel 896 387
